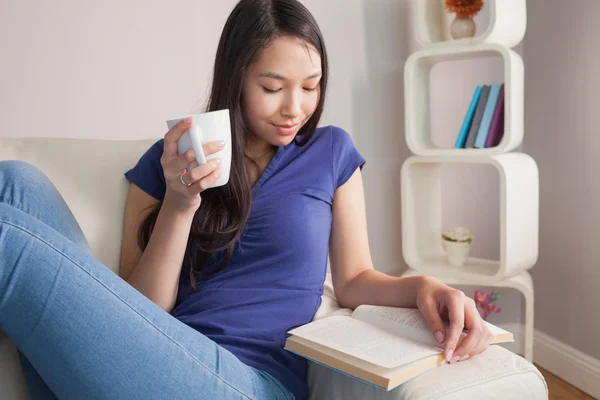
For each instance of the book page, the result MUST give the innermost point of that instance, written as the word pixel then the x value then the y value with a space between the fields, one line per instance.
pixel 405 322
pixel 365 341
pixel 409 323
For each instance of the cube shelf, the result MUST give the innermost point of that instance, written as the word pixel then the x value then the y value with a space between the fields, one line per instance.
pixel 507 24
pixel 421 202
pixel 417 98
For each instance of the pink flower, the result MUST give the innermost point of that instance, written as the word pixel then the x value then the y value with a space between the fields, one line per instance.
pixel 481 297
pixel 486 303
pixel 491 308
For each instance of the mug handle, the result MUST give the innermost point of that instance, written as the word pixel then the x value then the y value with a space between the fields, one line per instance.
pixel 196 139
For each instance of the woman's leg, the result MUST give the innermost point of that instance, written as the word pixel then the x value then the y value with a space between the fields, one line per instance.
pixel 26 188
pixel 87 332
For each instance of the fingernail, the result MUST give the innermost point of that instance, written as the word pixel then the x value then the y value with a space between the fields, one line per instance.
pixel 188 120
pixel 439 336
pixel 454 360
pixel 220 144
pixel 218 161
pixel 449 355
pixel 465 358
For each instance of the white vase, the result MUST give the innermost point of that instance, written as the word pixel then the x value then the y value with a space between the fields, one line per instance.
pixel 457 252
pixel 462 27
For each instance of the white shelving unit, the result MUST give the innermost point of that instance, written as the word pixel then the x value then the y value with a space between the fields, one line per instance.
pixel 421 195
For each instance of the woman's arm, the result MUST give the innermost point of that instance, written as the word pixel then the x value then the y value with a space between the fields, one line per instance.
pixel 155 271
pixel 356 282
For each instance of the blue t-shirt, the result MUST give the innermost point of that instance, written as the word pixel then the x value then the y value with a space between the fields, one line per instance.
pixel 274 281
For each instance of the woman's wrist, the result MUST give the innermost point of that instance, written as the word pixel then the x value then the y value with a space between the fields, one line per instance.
pixel 174 206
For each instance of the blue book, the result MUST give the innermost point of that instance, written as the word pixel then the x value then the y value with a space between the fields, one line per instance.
pixel 464 130
pixel 477 117
pixel 488 113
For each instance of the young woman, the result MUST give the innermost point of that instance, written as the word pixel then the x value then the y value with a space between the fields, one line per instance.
pixel 211 279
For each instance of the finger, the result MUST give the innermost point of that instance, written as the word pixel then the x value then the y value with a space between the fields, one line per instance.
pixel 202 171
pixel 186 159
pixel 473 323
pixel 430 312
pixel 204 183
pixel 484 342
pixel 173 135
pixel 456 314
pixel 212 147
pixel 465 349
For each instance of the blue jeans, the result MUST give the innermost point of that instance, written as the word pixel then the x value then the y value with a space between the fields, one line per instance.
pixel 84 333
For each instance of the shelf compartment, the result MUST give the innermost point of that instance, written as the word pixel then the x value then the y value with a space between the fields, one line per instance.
pixel 421 207
pixel 417 98
pixel 506 25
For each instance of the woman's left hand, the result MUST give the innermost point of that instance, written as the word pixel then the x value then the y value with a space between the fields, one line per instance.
pixel 435 300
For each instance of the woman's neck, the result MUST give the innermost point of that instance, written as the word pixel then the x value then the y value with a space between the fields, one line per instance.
pixel 257 148
pixel 259 153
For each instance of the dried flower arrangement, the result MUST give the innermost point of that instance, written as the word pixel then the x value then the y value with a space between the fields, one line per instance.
pixel 464 8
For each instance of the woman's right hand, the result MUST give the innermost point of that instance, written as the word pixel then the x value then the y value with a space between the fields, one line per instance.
pixel 179 196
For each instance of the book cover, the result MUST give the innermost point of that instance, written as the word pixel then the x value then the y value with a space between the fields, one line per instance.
pixel 486 118
pixel 464 130
pixel 485 91
pixel 497 125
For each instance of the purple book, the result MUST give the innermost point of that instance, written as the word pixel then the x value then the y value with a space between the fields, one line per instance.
pixel 497 125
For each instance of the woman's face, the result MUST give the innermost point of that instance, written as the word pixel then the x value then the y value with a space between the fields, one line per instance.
pixel 281 90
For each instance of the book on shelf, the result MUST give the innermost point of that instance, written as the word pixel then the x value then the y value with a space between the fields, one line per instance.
pixel 486 118
pixel 497 124
pixel 477 117
pixel 464 130
pixel 383 346
pixel 483 125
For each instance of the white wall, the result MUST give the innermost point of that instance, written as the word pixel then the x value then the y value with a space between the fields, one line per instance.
pixel 562 88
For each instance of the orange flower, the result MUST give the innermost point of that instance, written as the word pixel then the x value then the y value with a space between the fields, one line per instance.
pixel 464 8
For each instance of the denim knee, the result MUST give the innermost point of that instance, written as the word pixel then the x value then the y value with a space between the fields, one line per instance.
pixel 18 170
pixel 17 178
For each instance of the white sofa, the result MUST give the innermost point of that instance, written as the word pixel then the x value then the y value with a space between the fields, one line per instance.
pixel 89 175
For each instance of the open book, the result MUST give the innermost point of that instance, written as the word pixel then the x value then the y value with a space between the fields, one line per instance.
pixel 384 346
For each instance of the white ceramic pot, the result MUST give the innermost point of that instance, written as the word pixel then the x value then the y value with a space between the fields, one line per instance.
pixel 457 252
pixel 462 27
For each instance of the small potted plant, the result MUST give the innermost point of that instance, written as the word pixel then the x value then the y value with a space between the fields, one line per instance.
pixel 463 25
pixel 457 244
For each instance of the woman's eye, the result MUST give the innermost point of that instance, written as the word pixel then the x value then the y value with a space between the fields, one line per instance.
pixel 311 89
pixel 270 90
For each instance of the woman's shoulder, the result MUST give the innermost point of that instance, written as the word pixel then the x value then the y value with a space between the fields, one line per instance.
pixel 331 135
pixel 344 155
pixel 147 173
pixel 332 131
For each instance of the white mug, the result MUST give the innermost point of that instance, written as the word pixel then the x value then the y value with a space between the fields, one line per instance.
pixel 207 127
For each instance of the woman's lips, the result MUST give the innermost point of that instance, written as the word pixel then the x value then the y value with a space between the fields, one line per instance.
pixel 287 130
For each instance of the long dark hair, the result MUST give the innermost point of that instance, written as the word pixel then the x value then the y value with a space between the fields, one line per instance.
pixel 223 214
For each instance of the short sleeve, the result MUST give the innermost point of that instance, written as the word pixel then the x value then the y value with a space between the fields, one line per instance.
pixel 148 174
pixel 346 158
